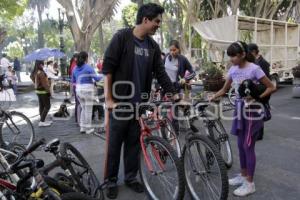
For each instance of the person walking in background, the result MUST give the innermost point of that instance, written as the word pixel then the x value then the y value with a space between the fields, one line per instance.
pixel 99 65
pixel 265 66
pixel 73 63
pixel 259 59
pixel 11 78
pixel 55 69
pixel 84 77
pixel 42 89
pixel 17 68
pixel 177 65
pixel 49 69
pixel 4 62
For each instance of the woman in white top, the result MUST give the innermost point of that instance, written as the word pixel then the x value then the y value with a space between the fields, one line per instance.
pixel 177 65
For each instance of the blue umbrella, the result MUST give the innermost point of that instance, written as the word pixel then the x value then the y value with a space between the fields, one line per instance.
pixel 43 54
pixel 57 53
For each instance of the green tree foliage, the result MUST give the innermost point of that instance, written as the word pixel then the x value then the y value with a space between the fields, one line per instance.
pixel 9 9
pixel 15 49
pixel 40 5
pixel 129 14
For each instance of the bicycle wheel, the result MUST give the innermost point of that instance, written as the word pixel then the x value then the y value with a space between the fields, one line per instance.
pixel 17 128
pixel 168 133
pixel 83 175
pixel 166 179
pixel 205 171
pixel 220 137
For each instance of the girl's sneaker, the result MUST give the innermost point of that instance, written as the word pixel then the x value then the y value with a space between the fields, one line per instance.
pixel 237 181
pixel 246 189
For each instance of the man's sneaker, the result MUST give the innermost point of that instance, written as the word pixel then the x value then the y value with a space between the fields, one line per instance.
pixel 246 189
pixel 43 124
pixel 112 192
pixel 49 121
pixel 237 181
pixel 89 131
pixel 136 187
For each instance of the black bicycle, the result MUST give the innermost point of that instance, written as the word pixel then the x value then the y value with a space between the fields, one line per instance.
pixel 34 184
pixel 78 173
pixel 204 169
pixel 214 130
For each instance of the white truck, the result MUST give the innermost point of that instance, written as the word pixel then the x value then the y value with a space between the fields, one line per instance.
pixel 278 41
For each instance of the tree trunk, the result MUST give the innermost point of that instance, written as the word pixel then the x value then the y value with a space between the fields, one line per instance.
pixel 41 42
pixel 85 21
pixel 286 15
pixel 297 13
pixel 235 4
pixel 161 38
pixel 101 40
pixel 83 41
pixel 2 35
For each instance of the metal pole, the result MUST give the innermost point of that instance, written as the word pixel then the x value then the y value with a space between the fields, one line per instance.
pixel 61 28
pixel 190 39
pixel 271 42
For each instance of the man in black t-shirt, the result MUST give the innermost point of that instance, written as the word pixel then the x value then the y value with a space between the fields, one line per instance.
pixel 265 66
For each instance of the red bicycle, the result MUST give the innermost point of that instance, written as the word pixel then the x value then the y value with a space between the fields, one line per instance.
pixel 161 170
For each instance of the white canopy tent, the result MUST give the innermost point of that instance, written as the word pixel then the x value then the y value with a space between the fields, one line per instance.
pixel 278 41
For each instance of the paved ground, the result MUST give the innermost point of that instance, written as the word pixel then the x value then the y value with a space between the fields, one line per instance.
pixel 278 167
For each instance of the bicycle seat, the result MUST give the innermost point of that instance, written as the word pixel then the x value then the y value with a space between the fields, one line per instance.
pixel 52 145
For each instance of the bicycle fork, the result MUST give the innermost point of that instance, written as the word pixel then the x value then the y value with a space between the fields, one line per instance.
pixel 147 156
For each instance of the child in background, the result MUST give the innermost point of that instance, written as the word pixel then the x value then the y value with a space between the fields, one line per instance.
pixel 12 79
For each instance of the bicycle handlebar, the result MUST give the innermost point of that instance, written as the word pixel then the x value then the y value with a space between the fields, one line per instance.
pixel 32 148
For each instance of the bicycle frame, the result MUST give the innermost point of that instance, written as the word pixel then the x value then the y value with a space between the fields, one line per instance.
pixel 8 117
pixel 146 132
pixel 61 162
pixel 15 178
pixel 13 188
pixel 7 185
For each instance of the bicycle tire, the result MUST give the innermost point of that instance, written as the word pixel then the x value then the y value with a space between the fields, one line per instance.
pixel 83 185
pixel 166 147
pixel 6 131
pixel 18 149
pixel 219 136
pixel 64 179
pixel 57 185
pixel 173 140
pixel 66 183
pixel 220 163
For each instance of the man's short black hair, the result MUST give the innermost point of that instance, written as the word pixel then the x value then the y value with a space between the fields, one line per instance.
pixel 150 11
pixel 253 47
